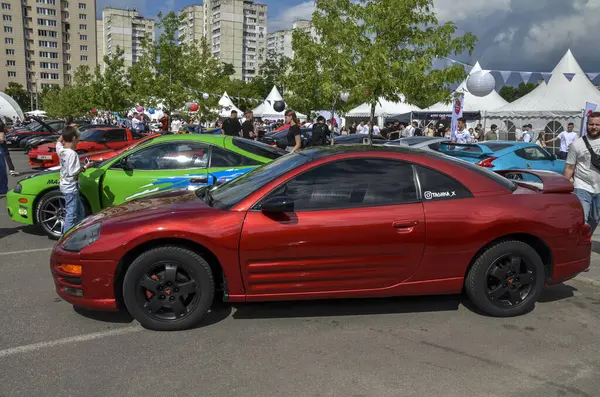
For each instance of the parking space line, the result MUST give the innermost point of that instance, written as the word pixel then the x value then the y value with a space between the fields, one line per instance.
pixel 25 251
pixel 73 339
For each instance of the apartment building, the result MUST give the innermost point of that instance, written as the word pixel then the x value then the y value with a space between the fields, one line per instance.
pixel 280 41
pixel 192 29
pixel 236 30
pixel 45 41
pixel 125 29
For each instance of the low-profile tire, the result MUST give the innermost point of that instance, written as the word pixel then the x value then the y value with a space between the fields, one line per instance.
pixel 51 201
pixel 168 288
pixel 506 280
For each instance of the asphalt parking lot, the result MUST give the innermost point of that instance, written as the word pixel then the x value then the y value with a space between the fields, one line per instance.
pixel 431 346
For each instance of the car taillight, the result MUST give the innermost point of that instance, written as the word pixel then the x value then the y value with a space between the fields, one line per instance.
pixel 586 233
pixel 487 163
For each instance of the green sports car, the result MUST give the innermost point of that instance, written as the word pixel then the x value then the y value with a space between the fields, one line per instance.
pixel 165 163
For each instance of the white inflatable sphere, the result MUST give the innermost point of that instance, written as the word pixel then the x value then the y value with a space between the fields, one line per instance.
pixel 481 83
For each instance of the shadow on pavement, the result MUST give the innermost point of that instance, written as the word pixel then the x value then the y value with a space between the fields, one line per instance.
pixel 557 293
pixel 121 317
pixel 596 246
pixel 350 307
pixel 6 231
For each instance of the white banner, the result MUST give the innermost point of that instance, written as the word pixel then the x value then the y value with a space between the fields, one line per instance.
pixel 589 109
pixel 457 112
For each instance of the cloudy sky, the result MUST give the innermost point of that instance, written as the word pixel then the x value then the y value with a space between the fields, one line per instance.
pixel 521 35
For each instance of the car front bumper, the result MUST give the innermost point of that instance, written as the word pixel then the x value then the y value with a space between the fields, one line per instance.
pixel 94 289
pixel 20 207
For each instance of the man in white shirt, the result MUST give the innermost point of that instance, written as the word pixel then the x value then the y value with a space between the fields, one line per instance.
pixel 409 131
pixel 462 135
pixel 362 128
pixel 581 171
pixel 527 134
pixel 566 140
pixel 135 122
pixel 70 168
pixel 376 130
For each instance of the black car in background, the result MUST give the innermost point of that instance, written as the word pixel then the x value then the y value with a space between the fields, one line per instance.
pixel 358 139
pixel 36 128
pixel 279 138
pixel 35 141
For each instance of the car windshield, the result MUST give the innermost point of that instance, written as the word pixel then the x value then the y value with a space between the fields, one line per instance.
pixel 229 194
pixel 91 135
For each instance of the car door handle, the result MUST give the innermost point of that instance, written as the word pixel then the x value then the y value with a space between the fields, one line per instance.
pixel 405 227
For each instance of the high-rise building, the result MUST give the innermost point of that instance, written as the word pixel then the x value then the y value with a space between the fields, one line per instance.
pixel 43 42
pixel 192 29
pixel 236 31
pixel 125 29
pixel 280 41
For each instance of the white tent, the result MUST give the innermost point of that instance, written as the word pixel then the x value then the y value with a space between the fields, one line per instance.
pixel 550 106
pixel 226 106
pixel 265 110
pixel 472 103
pixel 9 107
pixel 383 109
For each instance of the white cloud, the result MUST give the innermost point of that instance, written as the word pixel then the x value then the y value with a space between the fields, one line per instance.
pixel 285 19
pixel 463 10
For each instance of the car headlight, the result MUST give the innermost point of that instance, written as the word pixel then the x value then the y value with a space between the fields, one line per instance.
pixel 18 188
pixel 82 238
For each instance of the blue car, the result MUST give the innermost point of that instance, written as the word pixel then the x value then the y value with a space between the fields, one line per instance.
pixel 505 155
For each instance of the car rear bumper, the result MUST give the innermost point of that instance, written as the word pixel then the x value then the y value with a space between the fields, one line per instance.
pixel 93 289
pixel 35 161
pixel 20 207
pixel 566 271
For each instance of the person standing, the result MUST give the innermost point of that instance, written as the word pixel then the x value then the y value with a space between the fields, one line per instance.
pixel 462 135
pixel 3 176
pixel 294 135
pixel 319 132
pixel 527 134
pixel 231 126
pixel 566 140
pixel 164 123
pixel 583 171
pixel 248 125
pixel 70 169
pixel 6 153
pixel 491 135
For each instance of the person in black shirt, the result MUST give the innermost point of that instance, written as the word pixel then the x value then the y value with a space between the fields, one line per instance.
pixel 232 126
pixel 294 140
pixel 320 131
pixel 248 125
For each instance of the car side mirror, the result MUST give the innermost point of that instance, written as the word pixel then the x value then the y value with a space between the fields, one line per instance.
pixel 124 163
pixel 277 204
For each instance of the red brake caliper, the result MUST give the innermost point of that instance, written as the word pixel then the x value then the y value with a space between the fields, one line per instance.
pixel 148 293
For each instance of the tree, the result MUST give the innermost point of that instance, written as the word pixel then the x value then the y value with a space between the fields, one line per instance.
pixel 272 73
pixel 19 94
pixel 112 87
pixel 385 49
pixel 510 93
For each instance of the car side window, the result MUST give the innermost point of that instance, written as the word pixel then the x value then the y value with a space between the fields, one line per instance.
pixel 224 158
pixel 170 156
pixel 533 153
pixel 114 135
pixel 351 184
pixel 437 186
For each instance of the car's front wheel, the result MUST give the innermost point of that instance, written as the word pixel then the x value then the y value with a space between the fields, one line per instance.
pixel 506 279
pixel 51 212
pixel 168 288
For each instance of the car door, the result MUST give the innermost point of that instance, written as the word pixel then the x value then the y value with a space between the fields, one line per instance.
pixel 537 158
pixel 358 224
pixel 114 138
pixel 157 168
pixel 225 165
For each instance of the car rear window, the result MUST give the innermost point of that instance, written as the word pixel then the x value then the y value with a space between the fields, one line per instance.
pixel 257 148
pixel 496 147
pixel 502 181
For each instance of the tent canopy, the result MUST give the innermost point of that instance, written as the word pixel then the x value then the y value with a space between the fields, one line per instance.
pixel 265 110
pixel 384 108
pixel 559 98
pixel 226 106
pixel 9 107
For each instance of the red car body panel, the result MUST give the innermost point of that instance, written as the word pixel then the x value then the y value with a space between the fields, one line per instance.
pixel 49 150
pixel 411 249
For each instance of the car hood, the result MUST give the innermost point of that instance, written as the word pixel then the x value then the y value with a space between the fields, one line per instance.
pixel 152 207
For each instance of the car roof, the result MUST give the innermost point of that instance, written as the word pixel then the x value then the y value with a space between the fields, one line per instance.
pixel 326 151
pixel 210 138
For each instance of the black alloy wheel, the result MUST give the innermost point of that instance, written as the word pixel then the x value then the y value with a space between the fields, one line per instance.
pixel 509 280
pixel 168 288
pixel 506 279
pixel 168 291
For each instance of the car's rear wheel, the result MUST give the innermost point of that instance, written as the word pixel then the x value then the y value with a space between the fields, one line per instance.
pixel 506 279
pixel 168 288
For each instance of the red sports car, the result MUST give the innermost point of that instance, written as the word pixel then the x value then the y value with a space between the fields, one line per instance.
pixel 334 222
pixel 104 155
pixel 92 140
